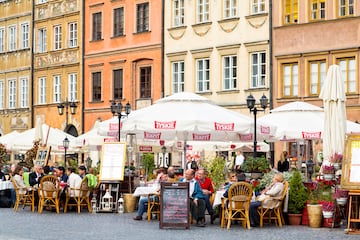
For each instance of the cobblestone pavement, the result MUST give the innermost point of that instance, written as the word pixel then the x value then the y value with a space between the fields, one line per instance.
pixel 25 225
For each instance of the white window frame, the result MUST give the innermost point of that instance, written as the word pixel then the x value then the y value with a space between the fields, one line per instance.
pixel 346 9
pixel 72 86
pixel 203 75
pixel 42 40
pixel 178 13
pixel 25 35
pixel 73 35
pixel 202 11
pixel 2 94
pixel 12 38
pixel 2 39
pixel 12 93
pixel 291 80
pixel 178 76
pixel 42 90
pixel 57 37
pixel 257 77
pixel 24 92
pixel 57 88
pixel 317 76
pixel 229 72
pixel 258 6
pixel 348 73
pixel 230 8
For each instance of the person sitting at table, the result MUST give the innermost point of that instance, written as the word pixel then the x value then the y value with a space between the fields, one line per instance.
pixel 74 181
pixel 18 178
pixel 82 171
pixel 197 198
pixel 172 177
pixel 274 190
pixel 143 200
pixel 34 181
pixel 207 189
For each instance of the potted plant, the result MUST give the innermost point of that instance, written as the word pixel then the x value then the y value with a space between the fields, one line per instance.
pixel 336 160
pixel 328 209
pixel 298 196
pixel 341 196
pixel 328 172
pixel 258 165
pixel 314 208
pixel 215 168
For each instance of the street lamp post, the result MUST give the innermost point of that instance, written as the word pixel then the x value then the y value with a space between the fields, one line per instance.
pixel 250 102
pixel 117 109
pixel 66 105
pixel 66 146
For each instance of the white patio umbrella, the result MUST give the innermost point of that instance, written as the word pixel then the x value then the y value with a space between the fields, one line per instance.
pixel 188 117
pixel 333 95
pixel 8 138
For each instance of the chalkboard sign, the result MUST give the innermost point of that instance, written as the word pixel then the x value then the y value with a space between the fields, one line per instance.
pixel 42 156
pixel 350 177
pixel 175 205
pixel 112 163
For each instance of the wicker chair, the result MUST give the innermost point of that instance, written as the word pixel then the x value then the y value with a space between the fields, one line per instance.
pixel 78 197
pixel 24 196
pixel 153 206
pixel 273 209
pixel 236 206
pixel 49 192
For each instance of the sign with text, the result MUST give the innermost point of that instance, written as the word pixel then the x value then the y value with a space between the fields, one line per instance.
pixel 112 163
pixel 174 205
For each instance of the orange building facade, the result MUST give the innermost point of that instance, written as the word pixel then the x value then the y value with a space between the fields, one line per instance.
pixel 122 57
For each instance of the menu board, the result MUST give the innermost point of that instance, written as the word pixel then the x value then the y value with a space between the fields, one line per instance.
pixel 42 156
pixel 112 163
pixel 174 205
pixel 350 177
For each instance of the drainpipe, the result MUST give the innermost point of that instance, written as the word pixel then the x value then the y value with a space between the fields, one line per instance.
pixel 272 154
pixel 162 50
pixel 82 67
pixel 32 65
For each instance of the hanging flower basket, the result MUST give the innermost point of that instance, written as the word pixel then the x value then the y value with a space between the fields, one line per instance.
pixel 337 166
pixel 341 201
pixel 327 214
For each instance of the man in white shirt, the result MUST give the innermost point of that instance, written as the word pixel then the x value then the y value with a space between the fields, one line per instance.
pixel 239 160
pixel 74 181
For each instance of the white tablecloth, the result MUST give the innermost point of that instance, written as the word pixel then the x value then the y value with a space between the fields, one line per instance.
pixel 218 196
pixel 5 185
pixel 143 191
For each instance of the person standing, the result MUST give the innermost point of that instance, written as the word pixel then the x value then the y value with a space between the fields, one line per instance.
pixel 239 160
pixel 283 163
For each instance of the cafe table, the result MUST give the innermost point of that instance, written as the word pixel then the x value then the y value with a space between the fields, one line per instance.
pixel 5 185
pixel 145 190
pixel 218 195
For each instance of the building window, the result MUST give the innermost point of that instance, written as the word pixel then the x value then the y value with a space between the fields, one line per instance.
pixel 202 11
pixel 57 37
pixel 348 73
pixel 42 40
pixel 25 33
pixel 12 93
pixel 290 79
pixel 178 81
pixel 291 11
pixel 145 82
pixel 12 38
pixel 229 72
pixel 96 26
pixel 317 9
pixel 142 17
pixel 42 90
pixel 118 83
pixel 346 8
pixel 2 95
pixel 118 22
pixel 2 39
pixel 230 8
pixel 202 75
pixel 257 6
pixel 24 92
pixel 178 13
pixel 96 86
pixel 317 76
pixel 72 86
pixel 258 70
pixel 57 88
pixel 73 34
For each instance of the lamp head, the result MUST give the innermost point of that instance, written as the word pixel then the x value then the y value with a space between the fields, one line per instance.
pixel 264 101
pixel 61 109
pixel 250 101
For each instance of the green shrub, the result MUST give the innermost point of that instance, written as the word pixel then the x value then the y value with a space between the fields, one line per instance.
pixel 216 172
pixel 298 194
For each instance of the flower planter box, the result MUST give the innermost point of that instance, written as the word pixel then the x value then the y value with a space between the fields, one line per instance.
pixel 329 177
pixel 327 214
pixel 341 201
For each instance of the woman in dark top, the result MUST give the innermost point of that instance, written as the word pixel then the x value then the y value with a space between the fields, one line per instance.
pixel 283 163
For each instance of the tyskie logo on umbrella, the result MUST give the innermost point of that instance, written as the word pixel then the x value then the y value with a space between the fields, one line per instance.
pixel 224 126
pixel 165 125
